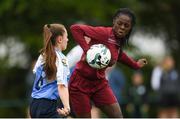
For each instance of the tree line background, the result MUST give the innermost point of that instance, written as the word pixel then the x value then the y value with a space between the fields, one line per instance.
pixel 21 24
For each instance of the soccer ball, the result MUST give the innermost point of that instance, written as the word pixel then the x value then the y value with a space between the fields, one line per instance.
pixel 98 56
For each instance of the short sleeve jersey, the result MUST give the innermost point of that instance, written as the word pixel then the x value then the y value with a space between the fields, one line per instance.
pixel 44 88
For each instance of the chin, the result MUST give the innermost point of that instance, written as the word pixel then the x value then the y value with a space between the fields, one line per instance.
pixel 64 48
pixel 120 36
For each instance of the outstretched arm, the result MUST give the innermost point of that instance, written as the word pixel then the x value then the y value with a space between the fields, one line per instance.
pixel 123 58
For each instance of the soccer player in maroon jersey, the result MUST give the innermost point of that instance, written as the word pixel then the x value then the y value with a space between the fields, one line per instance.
pixel 88 84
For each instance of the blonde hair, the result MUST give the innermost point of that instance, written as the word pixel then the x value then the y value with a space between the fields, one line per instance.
pixel 50 33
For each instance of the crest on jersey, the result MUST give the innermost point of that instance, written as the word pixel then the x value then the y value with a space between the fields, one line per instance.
pixel 64 61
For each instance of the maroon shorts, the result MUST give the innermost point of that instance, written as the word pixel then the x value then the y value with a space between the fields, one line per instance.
pixel 83 91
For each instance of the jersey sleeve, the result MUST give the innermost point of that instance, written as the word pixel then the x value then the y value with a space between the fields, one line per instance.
pixel 62 74
pixel 38 63
pixel 79 31
pixel 123 58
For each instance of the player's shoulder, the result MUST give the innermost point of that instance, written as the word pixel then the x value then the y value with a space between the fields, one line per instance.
pixel 62 59
pixel 39 62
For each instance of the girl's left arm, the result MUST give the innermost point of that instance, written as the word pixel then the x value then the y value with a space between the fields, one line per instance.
pixel 130 62
pixel 64 95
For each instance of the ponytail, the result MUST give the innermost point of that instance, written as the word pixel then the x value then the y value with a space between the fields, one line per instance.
pixel 50 32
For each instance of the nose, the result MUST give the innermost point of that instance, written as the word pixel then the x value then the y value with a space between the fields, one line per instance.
pixel 122 26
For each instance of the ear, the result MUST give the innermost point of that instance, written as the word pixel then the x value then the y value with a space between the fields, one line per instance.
pixel 59 39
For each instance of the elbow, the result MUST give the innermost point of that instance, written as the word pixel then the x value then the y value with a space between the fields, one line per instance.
pixel 74 27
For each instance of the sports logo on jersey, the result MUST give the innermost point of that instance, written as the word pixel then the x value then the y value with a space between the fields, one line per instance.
pixel 112 41
pixel 64 61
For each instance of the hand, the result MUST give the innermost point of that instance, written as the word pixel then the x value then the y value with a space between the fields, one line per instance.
pixel 87 39
pixel 63 111
pixel 142 62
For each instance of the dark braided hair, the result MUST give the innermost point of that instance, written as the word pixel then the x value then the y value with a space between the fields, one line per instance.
pixel 128 12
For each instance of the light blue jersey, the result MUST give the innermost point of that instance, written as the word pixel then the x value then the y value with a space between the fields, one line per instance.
pixel 44 88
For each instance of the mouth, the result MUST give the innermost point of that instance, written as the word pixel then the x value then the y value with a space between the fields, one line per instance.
pixel 121 33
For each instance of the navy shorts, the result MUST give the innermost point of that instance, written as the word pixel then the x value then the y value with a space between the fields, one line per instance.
pixel 43 108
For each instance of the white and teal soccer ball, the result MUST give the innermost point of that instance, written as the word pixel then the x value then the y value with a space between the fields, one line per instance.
pixel 98 56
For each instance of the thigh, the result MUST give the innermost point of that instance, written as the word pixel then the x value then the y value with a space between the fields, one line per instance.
pixel 104 96
pixel 107 102
pixel 80 104
pixel 112 110
pixel 79 96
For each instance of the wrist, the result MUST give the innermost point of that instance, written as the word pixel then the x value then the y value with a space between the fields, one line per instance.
pixel 68 108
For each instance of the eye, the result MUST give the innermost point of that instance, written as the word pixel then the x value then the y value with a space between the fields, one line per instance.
pixel 126 25
pixel 119 23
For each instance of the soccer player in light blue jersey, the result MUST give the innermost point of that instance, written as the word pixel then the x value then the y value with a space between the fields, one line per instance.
pixel 51 73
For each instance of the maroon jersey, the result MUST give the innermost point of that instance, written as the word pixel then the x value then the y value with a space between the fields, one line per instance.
pixel 98 35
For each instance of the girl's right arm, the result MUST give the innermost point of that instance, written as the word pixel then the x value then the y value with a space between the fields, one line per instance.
pixel 80 31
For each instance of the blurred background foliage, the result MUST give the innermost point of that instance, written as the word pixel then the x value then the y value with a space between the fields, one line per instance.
pixel 21 35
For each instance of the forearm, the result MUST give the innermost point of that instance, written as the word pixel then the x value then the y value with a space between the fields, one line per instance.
pixel 128 61
pixel 64 95
pixel 78 35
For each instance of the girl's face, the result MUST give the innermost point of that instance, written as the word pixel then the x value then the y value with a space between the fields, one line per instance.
pixel 63 41
pixel 122 25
